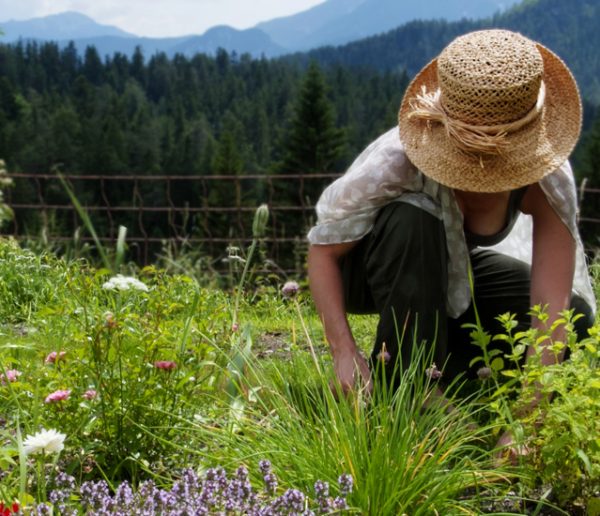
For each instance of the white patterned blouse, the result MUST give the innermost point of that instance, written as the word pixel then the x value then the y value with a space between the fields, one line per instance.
pixel 382 174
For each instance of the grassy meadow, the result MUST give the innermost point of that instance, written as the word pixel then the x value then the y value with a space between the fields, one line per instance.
pixel 149 391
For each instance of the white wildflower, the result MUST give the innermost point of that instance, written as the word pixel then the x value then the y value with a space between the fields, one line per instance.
pixel 120 282
pixel 47 441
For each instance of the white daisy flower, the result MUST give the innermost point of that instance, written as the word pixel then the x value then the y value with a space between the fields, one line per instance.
pixel 47 441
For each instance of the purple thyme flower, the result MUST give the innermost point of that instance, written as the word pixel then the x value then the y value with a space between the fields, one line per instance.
pixel 264 466
pixel 94 495
pixel 124 497
pixel 190 495
pixel 270 483
pixel 321 489
pixel 322 496
pixel 340 504
pixel 149 494
pixel 42 509
pixel 293 500
pixel 165 501
pixel 346 483
pixel 64 485
pixel 242 474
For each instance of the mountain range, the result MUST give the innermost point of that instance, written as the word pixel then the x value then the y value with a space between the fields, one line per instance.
pixel 568 27
pixel 336 22
pixel 333 22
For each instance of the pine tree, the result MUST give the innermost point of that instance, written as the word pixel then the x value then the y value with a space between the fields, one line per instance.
pixel 313 143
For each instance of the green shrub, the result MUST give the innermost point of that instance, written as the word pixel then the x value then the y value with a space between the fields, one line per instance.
pixel 562 433
pixel 27 281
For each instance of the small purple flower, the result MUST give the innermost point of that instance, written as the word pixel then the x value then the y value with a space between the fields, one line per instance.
pixel 290 289
pixel 433 373
pixel 242 474
pixel 94 495
pixel 346 483
pixel 384 356
pixel 321 489
pixel 230 505
pixel 340 503
pixel 42 509
pixel 270 483
pixel 57 396
pixel 124 497
pixel 90 394
pixel 322 496
pixel 264 466
pixel 64 486
pixel 293 500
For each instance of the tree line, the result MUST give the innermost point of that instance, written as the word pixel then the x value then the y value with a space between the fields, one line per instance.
pixel 203 115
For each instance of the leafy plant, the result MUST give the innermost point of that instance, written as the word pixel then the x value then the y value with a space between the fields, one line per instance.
pixel 561 434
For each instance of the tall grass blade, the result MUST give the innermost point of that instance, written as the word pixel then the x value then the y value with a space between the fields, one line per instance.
pixel 86 221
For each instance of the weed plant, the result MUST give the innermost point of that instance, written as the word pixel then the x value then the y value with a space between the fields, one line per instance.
pixel 560 437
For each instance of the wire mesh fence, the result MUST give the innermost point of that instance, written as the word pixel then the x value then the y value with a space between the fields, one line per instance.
pixel 206 213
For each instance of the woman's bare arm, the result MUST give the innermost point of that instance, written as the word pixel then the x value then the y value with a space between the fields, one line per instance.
pixel 327 290
pixel 553 261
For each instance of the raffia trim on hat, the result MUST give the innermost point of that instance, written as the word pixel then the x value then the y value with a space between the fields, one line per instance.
pixel 479 139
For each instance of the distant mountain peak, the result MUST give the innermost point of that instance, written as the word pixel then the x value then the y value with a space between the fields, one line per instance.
pixel 336 22
pixel 60 26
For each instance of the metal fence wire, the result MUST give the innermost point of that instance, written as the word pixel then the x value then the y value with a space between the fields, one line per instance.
pixel 209 213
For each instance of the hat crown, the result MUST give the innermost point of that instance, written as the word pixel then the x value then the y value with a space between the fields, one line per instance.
pixel 490 77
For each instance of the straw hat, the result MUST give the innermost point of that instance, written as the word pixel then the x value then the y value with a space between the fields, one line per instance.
pixel 493 112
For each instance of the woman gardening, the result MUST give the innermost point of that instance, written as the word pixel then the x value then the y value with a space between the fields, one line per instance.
pixel 475 181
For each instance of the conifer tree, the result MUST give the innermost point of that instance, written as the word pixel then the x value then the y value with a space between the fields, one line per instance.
pixel 313 143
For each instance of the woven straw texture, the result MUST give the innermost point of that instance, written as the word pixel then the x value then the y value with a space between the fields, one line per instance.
pixel 488 78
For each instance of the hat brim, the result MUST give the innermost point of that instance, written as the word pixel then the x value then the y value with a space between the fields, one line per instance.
pixel 532 152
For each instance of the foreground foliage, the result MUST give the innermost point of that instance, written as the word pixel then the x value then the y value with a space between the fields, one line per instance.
pixel 129 380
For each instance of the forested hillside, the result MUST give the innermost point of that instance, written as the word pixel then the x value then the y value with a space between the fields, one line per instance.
pixel 193 117
pixel 568 27
pixel 172 116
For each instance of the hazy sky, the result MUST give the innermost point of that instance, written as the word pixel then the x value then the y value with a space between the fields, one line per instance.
pixel 160 17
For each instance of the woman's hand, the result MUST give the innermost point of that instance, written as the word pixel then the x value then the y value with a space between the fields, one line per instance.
pixel 352 370
pixel 508 451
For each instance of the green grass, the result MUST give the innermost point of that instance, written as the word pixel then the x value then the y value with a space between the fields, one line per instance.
pixel 239 395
